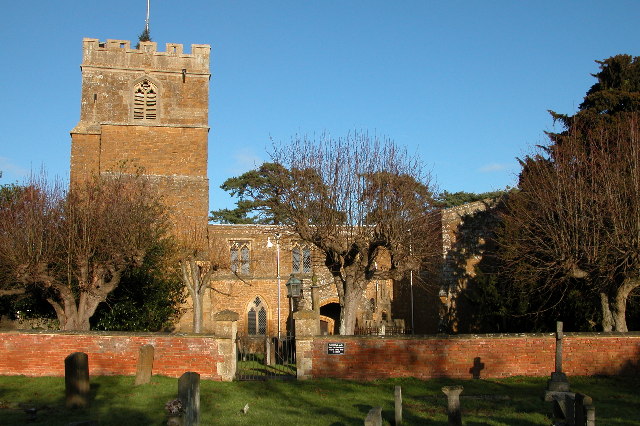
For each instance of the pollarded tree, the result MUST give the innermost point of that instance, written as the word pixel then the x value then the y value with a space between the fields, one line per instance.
pixel 201 259
pixel 574 169
pixel 576 220
pixel 365 204
pixel 75 245
pixel 8 284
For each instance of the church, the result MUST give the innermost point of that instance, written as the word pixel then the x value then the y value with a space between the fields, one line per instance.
pixel 147 110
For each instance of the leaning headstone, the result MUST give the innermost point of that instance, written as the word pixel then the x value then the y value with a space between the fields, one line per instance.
pixel 591 415
pixel 374 417
pixel 189 394
pixel 76 380
pixel 585 412
pixel 145 365
pixel 453 404
pixel 397 393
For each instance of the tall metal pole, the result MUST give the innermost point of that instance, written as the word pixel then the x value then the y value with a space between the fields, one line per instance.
pixel 278 275
pixel 146 25
pixel 411 286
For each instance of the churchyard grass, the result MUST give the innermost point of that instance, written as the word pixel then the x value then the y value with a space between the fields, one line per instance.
pixel 116 401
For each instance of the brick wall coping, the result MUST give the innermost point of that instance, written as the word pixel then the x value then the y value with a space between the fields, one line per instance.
pixel 109 333
pixel 481 336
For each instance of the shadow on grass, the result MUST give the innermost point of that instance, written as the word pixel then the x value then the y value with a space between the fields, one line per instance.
pixel 113 400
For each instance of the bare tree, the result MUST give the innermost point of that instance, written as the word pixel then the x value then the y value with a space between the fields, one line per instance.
pixel 576 220
pixel 365 204
pixel 75 245
pixel 201 259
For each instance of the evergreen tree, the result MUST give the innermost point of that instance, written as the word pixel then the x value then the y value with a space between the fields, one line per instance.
pixel 571 231
pixel 144 36
pixel 258 193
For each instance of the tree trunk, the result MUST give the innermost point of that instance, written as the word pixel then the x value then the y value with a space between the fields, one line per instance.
pixel 620 314
pixel 607 317
pixel 348 311
pixel 74 314
pixel 614 309
pixel 197 312
pixel 196 283
pixel 77 314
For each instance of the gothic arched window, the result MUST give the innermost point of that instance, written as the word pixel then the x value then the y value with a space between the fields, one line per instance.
pixel 301 259
pixel 145 101
pixel 240 257
pixel 257 318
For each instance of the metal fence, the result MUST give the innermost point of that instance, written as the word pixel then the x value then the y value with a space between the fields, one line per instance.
pixel 264 358
pixel 383 330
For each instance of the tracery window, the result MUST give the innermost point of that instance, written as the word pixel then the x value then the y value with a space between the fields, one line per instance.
pixel 301 259
pixel 257 318
pixel 240 256
pixel 145 101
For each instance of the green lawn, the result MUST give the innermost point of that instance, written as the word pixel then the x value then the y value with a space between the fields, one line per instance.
pixel 116 401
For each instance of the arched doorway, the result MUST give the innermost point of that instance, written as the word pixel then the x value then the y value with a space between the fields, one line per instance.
pixel 331 310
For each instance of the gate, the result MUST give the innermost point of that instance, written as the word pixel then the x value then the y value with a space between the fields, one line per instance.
pixel 264 358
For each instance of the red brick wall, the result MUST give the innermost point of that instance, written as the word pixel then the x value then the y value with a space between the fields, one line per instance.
pixel 43 353
pixel 453 356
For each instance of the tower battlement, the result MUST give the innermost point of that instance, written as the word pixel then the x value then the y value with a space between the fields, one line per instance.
pixel 119 53
pixel 148 109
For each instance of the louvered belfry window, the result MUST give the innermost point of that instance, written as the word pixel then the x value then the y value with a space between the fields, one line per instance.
pixel 145 101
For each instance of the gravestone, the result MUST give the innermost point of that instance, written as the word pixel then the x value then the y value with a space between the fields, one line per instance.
pixel 189 394
pixel 585 412
pixel 270 351
pixel 397 393
pixel 145 365
pixel 76 380
pixel 374 417
pixel 568 408
pixel 558 381
pixel 453 404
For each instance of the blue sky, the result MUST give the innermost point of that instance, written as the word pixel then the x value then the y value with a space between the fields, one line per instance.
pixel 465 85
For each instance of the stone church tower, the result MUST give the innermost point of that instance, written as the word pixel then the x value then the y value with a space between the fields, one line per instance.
pixel 146 109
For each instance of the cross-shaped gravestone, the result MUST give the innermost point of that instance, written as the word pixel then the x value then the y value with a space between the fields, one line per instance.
pixel 558 382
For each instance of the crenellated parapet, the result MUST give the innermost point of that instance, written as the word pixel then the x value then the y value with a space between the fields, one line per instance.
pixel 120 54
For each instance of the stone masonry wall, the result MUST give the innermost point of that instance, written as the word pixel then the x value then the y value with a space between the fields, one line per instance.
pixel 171 147
pixel 237 292
pixel 43 353
pixel 109 70
pixel 492 356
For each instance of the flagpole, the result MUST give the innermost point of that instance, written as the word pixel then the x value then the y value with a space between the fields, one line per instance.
pixel 146 26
